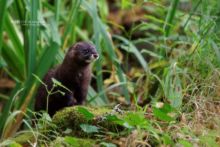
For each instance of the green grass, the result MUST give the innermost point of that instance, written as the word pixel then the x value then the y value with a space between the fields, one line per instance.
pixel 169 58
pixel 2 17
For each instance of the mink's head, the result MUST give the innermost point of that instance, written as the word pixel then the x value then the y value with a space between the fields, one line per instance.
pixel 83 53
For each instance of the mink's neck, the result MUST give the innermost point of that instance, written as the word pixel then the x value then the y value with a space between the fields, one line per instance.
pixel 68 71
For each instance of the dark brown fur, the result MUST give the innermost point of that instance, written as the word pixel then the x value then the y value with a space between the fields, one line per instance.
pixel 74 73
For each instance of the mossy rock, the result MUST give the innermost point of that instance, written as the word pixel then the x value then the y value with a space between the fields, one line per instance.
pixel 72 141
pixel 26 138
pixel 72 118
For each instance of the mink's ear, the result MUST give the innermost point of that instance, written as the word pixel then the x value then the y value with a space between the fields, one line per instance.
pixel 71 51
pixel 76 46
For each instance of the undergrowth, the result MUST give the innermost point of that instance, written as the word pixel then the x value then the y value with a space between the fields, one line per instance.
pixel 158 59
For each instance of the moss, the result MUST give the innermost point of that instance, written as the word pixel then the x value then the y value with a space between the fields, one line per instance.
pixel 71 118
pixel 72 141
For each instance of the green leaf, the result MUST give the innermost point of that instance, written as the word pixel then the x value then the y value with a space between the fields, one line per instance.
pixel 58 83
pixel 107 144
pixel 136 119
pixel 71 140
pixel 114 118
pixel 89 128
pixel 185 143
pixel 10 143
pixel 167 139
pixel 15 144
pixel 167 108
pixel 86 113
pixel 126 4
pixel 163 113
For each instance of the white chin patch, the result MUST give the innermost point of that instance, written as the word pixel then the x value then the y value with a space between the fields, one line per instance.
pixel 91 59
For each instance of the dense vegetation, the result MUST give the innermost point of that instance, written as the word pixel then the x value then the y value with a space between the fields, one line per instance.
pixel 159 59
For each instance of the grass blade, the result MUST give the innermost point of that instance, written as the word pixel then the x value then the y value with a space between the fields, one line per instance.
pixel 191 13
pixel 130 47
pixel 31 51
pixel 14 61
pixel 170 16
pixel 70 27
pixel 14 35
pixel 99 28
pixel 3 10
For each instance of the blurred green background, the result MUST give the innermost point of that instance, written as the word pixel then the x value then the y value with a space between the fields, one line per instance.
pixel 150 51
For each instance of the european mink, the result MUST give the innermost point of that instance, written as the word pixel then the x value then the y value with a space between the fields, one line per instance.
pixel 74 73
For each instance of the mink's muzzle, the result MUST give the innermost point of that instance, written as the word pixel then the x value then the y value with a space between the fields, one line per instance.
pixel 95 56
pixel 92 58
pixel 85 53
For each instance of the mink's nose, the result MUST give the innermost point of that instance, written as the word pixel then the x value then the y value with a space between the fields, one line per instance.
pixel 96 56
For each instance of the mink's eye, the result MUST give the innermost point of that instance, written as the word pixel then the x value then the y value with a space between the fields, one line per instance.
pixel 86 51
